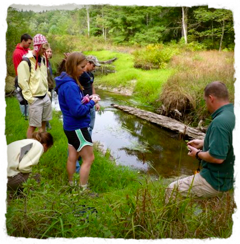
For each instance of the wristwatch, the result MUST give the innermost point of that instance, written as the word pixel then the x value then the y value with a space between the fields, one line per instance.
pixel 197 157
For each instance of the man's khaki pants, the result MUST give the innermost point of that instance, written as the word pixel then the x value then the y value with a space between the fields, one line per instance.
pixel 192 186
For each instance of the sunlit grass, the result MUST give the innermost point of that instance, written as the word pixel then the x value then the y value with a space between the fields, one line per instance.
pixel 147 84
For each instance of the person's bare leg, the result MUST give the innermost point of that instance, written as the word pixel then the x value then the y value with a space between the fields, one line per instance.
pixel 71 162
pixel 30 131
pixel 87 159
pixel 43 128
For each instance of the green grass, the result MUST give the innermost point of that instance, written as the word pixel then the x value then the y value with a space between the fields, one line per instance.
pixel 179 85
pixel 147 84
pixel 129 205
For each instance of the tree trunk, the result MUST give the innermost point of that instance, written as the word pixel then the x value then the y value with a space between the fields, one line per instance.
pixel 88 20
pixel 104 30
pixel 105 37
pixel 221 40
pixel 184 23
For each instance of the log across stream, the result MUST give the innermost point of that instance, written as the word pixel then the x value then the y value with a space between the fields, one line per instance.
pixel 163 121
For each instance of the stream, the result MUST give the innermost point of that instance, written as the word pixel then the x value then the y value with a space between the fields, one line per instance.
pixel 136 143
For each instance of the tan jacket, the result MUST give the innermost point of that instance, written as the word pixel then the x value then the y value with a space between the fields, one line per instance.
pixel 35 83
pixel 31 158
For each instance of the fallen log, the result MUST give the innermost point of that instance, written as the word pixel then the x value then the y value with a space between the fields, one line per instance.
pixel 108 61
pixel 163 121
pixel 61 66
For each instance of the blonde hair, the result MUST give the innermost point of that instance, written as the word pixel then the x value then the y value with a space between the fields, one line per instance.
pixel 73 60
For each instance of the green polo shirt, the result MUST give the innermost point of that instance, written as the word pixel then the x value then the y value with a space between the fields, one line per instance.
pixel 218 141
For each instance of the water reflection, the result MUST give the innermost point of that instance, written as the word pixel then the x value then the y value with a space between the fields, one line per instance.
pixel 137 143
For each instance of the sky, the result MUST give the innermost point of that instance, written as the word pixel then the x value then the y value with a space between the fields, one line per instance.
pixel 39 8
pixel 49 5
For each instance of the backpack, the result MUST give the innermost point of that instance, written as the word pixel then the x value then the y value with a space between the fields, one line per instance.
pixel 50 80
pixel 18 90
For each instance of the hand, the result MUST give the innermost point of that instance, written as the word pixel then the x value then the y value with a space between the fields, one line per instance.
pixel 66 55
pixel 192 151
pixel 95 98
pixel 97 107
pixel 196 143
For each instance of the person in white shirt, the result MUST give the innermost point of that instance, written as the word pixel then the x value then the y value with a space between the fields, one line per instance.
pixel 24 154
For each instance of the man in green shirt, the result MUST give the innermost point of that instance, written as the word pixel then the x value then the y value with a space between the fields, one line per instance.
pixel 215 152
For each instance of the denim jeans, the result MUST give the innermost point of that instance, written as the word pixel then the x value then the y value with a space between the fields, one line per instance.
pixel 24 110
pixel 78 165
pixel 92 116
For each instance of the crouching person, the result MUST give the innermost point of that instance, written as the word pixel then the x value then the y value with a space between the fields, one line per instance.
pixel 215 152
pixel 24 154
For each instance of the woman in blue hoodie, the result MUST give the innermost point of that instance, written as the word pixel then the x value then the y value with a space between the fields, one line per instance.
pixel 76 117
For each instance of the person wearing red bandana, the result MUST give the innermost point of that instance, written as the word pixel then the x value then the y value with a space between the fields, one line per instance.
pixel 34 85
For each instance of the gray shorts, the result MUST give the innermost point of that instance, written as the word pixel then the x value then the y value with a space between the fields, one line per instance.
pixel 40 110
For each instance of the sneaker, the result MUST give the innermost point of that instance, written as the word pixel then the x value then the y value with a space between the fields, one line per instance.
pixel 88 192
pixel 73 183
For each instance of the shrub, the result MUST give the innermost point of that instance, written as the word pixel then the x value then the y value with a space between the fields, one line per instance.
pixel 154 56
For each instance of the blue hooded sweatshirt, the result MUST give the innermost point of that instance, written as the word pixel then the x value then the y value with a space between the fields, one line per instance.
pixel 75 114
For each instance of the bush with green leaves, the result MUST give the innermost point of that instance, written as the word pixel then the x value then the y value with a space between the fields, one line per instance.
pixel 154 56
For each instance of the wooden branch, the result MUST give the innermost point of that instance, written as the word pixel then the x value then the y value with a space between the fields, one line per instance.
pixel 163 121
pixel 108 61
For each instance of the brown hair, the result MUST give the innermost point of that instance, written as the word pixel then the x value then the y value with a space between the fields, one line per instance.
pixel 43 138
pixel 217 89
pixel 25 37
pixel 73 60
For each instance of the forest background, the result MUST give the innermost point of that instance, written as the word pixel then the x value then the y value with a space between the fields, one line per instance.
pixel 123 25
pixel 166 39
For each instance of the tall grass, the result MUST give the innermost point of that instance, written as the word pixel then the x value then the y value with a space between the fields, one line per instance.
pixel 178 86
pixel 130 205
pixel 184 90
